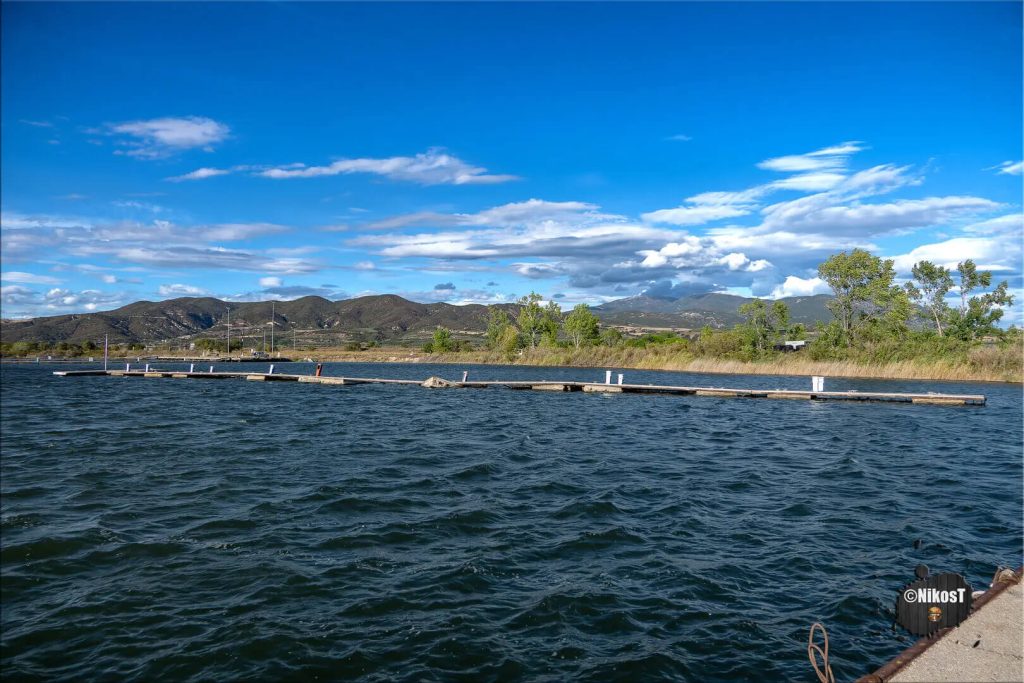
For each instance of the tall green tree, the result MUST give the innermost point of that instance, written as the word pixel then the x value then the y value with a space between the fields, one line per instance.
pixel 932 285
pixel 551 323
pixel 978 315
pixel 442 341
pixel 863 291
pixel 581 326
pixel 765 324
pixel 498 324
pixel 530 318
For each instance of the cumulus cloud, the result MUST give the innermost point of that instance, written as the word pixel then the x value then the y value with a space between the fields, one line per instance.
pixel 433 167
pixel 270 282
pixel 798 286
pixel 23 302
pixel 164 137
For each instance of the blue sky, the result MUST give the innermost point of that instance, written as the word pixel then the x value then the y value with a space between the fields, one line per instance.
pixel 476 152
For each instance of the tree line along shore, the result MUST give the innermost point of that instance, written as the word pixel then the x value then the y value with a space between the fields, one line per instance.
pixel 879 329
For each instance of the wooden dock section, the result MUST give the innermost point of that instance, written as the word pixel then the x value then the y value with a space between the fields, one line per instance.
pixel 556 386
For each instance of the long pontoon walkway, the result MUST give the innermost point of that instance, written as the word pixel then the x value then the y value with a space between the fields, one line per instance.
pixel 557 385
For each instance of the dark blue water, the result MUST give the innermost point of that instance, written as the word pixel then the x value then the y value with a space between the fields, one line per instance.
pixel 225 530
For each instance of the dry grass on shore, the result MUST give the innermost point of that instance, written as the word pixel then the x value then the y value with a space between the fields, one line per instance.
pixel 989 363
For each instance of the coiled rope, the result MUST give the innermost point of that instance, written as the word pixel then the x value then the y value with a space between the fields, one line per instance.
pixel 824 672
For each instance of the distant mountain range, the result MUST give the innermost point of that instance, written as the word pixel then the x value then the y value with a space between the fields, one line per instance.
pixel 385 318
pixel 697 310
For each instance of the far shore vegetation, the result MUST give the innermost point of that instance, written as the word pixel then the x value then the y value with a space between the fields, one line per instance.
pixel 879 329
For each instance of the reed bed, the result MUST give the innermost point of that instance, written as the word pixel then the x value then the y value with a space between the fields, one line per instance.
pixel 986 363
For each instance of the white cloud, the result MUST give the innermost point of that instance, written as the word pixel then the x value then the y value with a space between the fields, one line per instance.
pixel 158 243
pixel 1013 222
pixel 989 253
pixel 819 171
pixel 688 246
pixel 28 278
pixel 141 206
pixel 798 286
pixel 1011 167
pixel 824 213
pixel 270 282
pixel 163 137
pixel 200 174
pixel 693 215
pixel 433 167
pixel 181 290
pixel 234 232
pixel 826 159
pixel 24 302
pixel 809 182
pixel 743 198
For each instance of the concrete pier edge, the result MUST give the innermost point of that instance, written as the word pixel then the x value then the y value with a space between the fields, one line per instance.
pixel 890 670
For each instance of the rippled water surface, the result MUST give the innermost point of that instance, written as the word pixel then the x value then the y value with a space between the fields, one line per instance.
pixel 198 530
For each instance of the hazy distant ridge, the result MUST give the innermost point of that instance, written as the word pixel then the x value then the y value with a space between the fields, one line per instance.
pixel 383 318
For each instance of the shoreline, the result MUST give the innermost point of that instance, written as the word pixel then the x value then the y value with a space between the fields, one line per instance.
pixel 788 367
pixel 644 360
pixel 630 359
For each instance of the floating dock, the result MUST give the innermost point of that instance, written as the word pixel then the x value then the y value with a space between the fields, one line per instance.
pixel 556 385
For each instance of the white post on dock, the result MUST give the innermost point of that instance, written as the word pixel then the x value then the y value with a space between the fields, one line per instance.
pixel 106 344
pixel 147 367
pixel 817 383
pixel 620 378
pixel 465 376
pixel 271 371
pixel 127 367
pixel 191 367
pixel 607 376
pixel 211 369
